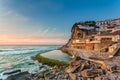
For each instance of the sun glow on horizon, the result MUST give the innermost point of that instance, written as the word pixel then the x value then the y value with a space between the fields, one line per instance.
pixel 48 22
pixel 7 40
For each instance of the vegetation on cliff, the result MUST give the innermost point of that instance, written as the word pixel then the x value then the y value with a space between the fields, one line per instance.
pixel 86 23
pixel 50 62
pixel 89 23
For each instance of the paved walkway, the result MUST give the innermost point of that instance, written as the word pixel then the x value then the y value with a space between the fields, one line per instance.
pixel 85 54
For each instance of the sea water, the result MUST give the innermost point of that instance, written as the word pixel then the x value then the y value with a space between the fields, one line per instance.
pixel 19 57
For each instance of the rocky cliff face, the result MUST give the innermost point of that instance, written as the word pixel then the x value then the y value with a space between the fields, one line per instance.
pixel 80 30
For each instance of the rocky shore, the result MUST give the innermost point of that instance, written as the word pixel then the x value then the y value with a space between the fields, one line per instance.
pixel 78 69
pixel 26 75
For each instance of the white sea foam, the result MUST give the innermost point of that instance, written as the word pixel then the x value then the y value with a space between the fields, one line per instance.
pixel 19 57
pixel 3 77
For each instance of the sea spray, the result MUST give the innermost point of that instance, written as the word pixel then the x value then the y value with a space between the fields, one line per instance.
pixel 19 57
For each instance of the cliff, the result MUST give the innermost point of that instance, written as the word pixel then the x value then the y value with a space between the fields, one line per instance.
pixel 88 35
pixel 81 30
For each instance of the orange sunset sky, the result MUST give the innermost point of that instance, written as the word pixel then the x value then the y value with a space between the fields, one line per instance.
pixel 49 21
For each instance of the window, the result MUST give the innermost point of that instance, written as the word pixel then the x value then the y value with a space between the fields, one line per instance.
pixel 80 35
pixel 106 38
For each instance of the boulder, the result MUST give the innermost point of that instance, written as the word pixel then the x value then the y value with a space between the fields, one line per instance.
pixel 102 78
pixel 26 78
pixel 66 76
pixel 51 76
pixel 19 76
pixel 71 69
pixel 74 63
pixel 12 72
pixel 10 78
pixel 73 76
pixel 41 79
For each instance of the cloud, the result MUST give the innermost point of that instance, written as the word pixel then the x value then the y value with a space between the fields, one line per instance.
pixel 11 22
pixel 45 31
pixel 8 14
pixel 16 28
pixel 3 14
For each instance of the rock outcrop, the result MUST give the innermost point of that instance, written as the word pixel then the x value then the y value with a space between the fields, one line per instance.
pixel 80 69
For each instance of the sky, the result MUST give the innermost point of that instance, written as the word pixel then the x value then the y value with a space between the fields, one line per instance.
pixel 49 21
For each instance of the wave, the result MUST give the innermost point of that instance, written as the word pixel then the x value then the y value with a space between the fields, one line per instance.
pixel 23 50
pixel 17 57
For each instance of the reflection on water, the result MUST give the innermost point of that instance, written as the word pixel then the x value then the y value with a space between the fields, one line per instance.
pixel 57 55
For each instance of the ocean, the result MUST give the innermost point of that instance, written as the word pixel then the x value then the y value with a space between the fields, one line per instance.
pixel 19 57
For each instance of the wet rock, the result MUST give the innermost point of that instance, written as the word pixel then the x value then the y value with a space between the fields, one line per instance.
pixel 102 78
pixel 10 78
pixel 26 78
pixel 79 78
pixel 71 69
pixel 91 73
pixel 19 76
pixel 12 72
pixel 78 74
pixel 39 75
pixel 72 76
pixel 41 67
pixel 46 78
pixel 51 76
pixel 31 63
pixel 59 77
pixel 74 63
pixel 41 79
pixel 79 69
pixel 66 76
pixel 57 73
